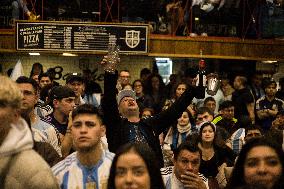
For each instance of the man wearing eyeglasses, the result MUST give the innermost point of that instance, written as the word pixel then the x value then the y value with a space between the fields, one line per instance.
pixel 123 79
pixel 42 130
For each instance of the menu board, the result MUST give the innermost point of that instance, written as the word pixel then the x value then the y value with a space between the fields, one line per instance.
pixel 85 37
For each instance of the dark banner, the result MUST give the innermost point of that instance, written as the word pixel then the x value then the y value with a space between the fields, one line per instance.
pixel 76 37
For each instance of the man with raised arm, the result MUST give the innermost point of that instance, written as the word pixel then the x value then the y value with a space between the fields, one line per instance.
pixel 121 114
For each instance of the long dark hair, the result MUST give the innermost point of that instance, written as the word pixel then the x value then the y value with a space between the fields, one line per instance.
pixel 149 87
pixel 217 141
pixel 148 157
pixel 173 92
pixel 237 177
pixel 35 66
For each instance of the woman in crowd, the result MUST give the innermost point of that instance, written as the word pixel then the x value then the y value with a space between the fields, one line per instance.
pixel 36 70
pixel 155 93
pixel 215 154
pixel 178 90
pixel 227 88
pixel 175 136
pixel 178 133
pixel 137 86
pixel 135 166
pixel 147 112
pixel 260 162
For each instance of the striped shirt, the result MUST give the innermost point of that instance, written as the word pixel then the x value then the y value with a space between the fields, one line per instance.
pixel 171 181
pixel 47 134
pixel 71 174
pixel 42 109
pixel 237 140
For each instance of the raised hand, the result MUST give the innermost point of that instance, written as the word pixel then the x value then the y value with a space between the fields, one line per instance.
pixel 32 16
pixel 112 58
pixel 192 181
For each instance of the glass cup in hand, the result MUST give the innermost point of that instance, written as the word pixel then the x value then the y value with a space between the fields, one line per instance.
pixel 112 57
pixel 213 84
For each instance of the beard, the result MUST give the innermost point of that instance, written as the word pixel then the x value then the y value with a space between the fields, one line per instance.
pixel 86 148
pixel 130 113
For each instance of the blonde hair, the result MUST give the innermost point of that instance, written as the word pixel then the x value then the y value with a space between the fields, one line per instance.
pixel 10 94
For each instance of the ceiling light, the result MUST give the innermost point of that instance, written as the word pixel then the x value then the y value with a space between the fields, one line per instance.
pixel 69 54
pixel 34 54
pixel 268 61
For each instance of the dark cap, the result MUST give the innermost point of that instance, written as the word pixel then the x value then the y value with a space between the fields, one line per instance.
pixel 60 92
pixel 72 78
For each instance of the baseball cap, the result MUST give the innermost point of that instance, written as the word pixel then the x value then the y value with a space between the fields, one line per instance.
pixel 60 92
pixel 72 78
pixel 125 93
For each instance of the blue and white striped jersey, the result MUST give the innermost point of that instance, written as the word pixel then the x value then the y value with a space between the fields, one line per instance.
pixel 45 132
pixel 71 174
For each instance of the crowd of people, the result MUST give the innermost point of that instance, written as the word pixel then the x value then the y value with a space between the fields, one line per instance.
pixel 145 134
pixel 180 17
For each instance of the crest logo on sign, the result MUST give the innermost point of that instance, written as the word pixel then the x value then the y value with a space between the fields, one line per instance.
pixel 132 38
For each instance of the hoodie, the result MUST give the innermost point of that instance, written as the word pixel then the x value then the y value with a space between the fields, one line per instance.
pixel 20 165
pixel 22 139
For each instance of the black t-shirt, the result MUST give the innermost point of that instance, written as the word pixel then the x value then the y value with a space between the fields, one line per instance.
pixel 136 135
pixel 222 155
pixel 60 127
pixel 240 99
pixel 209 168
